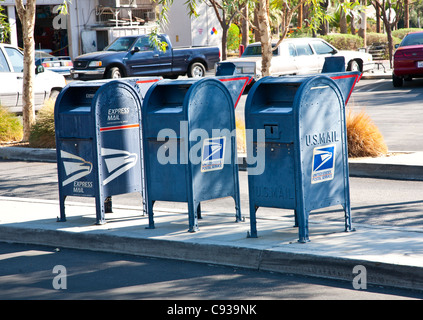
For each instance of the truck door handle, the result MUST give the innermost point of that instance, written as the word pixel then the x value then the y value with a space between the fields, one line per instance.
pixel 19 77
pixel 156 55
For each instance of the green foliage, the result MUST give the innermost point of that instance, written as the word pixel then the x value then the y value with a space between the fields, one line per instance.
pixel 42 132
pixel 401 33
pixel 10 126
pixel 233 38
pixel 4 26
pixel 374 38
pixel 344 41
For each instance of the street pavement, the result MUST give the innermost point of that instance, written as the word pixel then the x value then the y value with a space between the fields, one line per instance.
pixel 390 255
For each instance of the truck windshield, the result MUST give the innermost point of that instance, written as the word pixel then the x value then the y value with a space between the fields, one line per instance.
pixel 255 50
pixel 121 44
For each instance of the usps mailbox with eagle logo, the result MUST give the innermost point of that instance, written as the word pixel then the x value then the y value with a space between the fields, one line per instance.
pixel 99 141
pixel 305 147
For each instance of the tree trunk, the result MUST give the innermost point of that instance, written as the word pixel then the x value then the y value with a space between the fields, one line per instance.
pixel 343 20
pixel 244 27
pixel 265 37
pixel 363 26
pixel 406 14
pixel 225 29
pixel 27 17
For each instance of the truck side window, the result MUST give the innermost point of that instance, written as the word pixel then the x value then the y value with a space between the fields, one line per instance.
pixel 4 67
pixel 144 44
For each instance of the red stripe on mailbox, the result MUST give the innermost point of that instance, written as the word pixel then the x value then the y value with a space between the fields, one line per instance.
pixel 129 126
pixel 245 84
pixel 357 78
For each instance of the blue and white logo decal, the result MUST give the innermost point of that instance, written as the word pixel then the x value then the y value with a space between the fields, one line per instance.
pixel 323 164
pixel 75 167
pixel 213 154
pixel 117 162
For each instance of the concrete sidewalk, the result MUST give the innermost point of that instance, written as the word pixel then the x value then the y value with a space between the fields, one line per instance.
pixel 392 256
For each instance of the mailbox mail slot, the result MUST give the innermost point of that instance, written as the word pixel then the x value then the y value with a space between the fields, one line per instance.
pixel 305 148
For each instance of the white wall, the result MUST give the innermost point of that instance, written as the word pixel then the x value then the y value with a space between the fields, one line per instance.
pixel 185 31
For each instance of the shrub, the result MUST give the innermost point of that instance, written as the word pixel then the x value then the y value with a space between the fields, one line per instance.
pixel 42 132
pixel 364 138
pixel 11 128
pixel 233 38
pixel 344 41
pixel 401 33
pixel 375 38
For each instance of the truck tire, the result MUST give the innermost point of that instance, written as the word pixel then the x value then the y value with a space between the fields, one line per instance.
pixel 114 73
pixel 196 70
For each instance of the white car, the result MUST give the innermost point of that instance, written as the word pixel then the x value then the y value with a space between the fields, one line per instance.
pixel 294 56
pixel 46 83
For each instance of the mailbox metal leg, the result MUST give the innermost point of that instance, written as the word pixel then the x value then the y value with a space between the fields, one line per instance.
pixel 253 222
pixel 303 226
pixel 193 216
pixel 150 205
pixel 62 210
pixel 295 218
pixel 348 225
pixel 199 211
pixel 100 209
pixel 108 205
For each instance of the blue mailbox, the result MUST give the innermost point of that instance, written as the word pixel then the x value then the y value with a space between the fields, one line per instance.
pixel 190 145
pixel 299 124
pixel 99 141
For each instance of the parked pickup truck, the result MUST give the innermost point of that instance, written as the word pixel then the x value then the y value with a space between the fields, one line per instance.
pixel 137 56
pixel 294 56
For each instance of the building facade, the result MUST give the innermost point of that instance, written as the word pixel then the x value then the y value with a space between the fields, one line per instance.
pixel 91 25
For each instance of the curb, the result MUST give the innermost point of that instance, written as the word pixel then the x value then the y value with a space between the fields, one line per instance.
pixel 385 274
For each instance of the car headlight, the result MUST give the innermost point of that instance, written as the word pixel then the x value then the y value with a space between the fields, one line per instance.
pixel 95 64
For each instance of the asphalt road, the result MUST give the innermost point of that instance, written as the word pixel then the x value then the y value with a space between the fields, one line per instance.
pixel 48 273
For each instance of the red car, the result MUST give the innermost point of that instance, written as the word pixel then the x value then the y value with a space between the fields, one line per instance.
pixel 408 59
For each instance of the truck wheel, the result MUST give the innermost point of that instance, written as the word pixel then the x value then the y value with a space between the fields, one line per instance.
pixel 196 70
pixel 114 73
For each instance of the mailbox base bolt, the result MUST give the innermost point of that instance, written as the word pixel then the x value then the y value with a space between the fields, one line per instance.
pixel 61 219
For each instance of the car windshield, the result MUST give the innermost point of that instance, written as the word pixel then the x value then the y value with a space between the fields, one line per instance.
pixel 255 50
pixel 121 44
pixel 412 39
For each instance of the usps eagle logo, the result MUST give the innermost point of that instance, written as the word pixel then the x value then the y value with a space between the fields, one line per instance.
pixel 117 162
pixel 323 167
pixel 213 154
pixel 75 167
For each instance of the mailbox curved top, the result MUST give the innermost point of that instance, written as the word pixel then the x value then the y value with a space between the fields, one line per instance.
pixel 275 95
pixel 182 97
